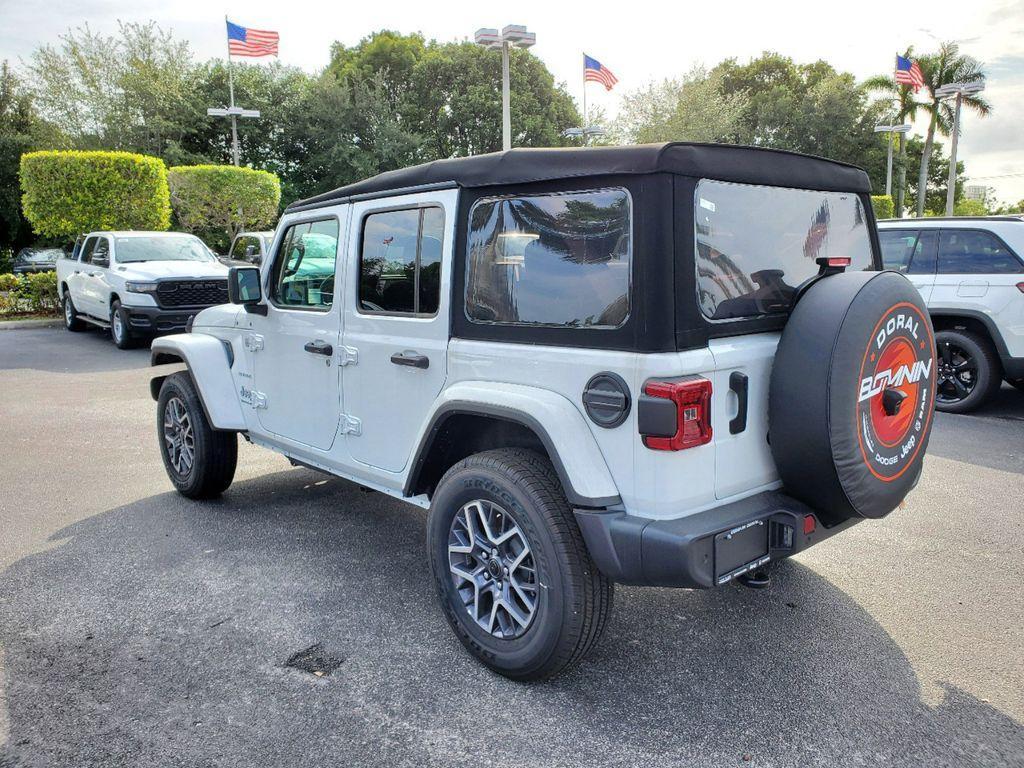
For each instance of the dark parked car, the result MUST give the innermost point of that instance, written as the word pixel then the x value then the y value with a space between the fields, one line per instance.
pixel 36 260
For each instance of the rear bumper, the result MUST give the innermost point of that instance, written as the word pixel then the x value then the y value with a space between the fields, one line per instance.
pixel 682 552
pixel 158 319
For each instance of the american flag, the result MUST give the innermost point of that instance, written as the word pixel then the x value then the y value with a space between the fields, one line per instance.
pixel 243 41
pixel 594 70
pixel 909 73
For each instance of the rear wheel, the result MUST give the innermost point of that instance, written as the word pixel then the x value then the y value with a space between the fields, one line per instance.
pixel 513 574
pixel 967 369
pixel 199 460
pixel 71 321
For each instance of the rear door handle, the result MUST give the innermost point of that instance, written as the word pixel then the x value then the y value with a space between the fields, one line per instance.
pixel 411 359
pixel 319 347
pixel 738 384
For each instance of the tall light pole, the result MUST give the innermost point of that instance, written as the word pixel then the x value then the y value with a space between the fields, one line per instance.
pixel 959 90
pixel 234 113
pixel 512 35
pixel 890 130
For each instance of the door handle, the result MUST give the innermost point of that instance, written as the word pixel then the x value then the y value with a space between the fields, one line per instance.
pixel 319 347
pixel 411 359
pixel 738 384
pixel 78 271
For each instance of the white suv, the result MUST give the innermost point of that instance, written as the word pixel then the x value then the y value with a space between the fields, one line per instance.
pixel 970 272
pixel 138 284
pixel 572 357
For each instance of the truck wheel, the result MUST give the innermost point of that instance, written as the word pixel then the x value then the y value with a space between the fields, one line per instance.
pixel 199 460
pixel 71 321
pixel 120 330
pixel 968 371
pixel 514 577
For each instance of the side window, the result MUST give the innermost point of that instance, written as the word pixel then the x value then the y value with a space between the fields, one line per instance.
pixel 87 250
pixel 897 247
pixel 975 252
pixel 400 261
pixel 101 251
pixel 923 260
pixel 303 275
pixel 560 259
pixel 238 252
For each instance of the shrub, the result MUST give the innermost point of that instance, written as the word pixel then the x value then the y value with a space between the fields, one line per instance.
pixel 968 207
pixel 884 206
pixel 217 202
pixel 6 260
pixel 35 292
pixel 66 193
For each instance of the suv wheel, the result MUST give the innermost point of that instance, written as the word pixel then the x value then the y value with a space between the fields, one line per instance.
pixel 120 330
pixel 513 575
pixel 199 460
pixel 968 371
pixel 71 321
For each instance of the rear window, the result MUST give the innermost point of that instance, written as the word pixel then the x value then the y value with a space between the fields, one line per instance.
pixel 755 245
pixel 973 252
pixel 558 259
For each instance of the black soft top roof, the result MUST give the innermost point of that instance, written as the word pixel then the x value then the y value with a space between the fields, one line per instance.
pixel 725 162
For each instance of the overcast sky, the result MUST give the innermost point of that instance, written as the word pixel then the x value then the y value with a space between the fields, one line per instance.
pixel 638 41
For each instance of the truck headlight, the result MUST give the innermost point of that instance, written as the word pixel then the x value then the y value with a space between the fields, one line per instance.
pixel 140 287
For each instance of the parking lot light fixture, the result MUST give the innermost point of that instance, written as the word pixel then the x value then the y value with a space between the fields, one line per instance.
pixel 512 35
pixel 890 130
pixel 957 91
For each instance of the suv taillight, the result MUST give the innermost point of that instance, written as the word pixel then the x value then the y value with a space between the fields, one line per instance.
pixel 675 414
pixel 1020 287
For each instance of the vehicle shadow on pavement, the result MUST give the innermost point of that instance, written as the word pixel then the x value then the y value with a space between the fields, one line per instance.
pixel 158 634
pixel 976 437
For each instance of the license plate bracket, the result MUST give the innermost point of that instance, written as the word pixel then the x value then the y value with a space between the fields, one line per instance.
pixel 740 549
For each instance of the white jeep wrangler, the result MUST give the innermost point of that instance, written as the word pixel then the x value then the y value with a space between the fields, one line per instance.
pixel 667 365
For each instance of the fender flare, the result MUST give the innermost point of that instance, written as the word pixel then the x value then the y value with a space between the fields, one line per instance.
pixel 558 424
pixel 972 314
pixel 209 362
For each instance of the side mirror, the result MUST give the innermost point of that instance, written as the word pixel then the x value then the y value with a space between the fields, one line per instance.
pixel 244 286
pixel 100 261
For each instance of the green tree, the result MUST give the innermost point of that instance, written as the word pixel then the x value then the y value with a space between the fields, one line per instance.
pixel 690 108
pixel 70 192
pixel 129 91
pixel 938 177
pixel 897 100
pixel 946 66
pixel 217 202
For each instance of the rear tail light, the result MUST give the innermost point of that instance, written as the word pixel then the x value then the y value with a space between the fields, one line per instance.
pixel 1020 287
pixel 688 424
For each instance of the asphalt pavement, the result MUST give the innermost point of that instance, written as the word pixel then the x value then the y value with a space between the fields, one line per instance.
pixel 138 628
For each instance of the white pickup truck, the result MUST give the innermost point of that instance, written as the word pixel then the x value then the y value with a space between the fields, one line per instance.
pixel 138 284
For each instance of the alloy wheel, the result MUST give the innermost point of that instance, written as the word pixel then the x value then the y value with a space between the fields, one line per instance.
pixel 118 327
pixel 179 440
pixel 68 319
pixel 957 373
pixel 492 568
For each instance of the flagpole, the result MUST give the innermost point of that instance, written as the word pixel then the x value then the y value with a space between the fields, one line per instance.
pixel 231 106
pixel 585 98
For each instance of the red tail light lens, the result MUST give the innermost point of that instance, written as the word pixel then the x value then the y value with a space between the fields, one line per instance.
pixel 1020 287
pixel 692 398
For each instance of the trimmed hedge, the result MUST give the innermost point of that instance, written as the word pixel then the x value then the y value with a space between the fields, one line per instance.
pixel 66 193
pixel 217 202
pixel 884 206
pixel 34 293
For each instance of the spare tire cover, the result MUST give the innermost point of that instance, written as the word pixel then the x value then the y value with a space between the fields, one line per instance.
pixel 852 394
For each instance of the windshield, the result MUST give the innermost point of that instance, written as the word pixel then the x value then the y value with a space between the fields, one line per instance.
pixel 755 245
pixel 49 254
pixel 157 248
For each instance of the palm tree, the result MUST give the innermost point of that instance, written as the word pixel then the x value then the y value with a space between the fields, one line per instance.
pixel 902 98
pixel 946 66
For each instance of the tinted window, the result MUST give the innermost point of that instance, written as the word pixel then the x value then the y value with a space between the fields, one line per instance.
pixel 101 250
pixel 974 252
pixel 897 247
pixel 238 252
pixel 87 249
pixel 304 268
pixel 923 260
pixel 400 261
pixel 755 245
pixel 559 260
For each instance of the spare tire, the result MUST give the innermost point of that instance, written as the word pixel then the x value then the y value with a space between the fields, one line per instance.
pixel 852 395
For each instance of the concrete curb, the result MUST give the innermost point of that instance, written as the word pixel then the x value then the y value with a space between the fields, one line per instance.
pixel 35 322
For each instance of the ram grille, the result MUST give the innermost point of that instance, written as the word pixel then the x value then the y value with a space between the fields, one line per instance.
pixel 192 293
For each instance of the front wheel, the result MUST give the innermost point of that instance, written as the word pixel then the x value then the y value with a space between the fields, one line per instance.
pixel 512 572
pixel 120 330
pixel 968 371
pixel 199 460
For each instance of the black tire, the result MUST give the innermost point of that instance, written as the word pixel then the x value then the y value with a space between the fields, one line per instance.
pixel 852 394
pixel 214 453
pixel 960 352
pixel 574 599
pixel 71 321
pixel 120 329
